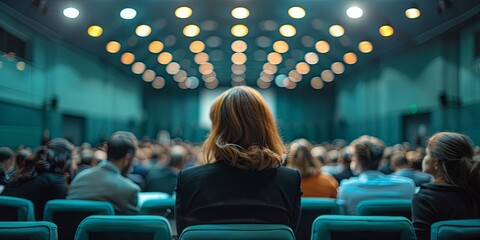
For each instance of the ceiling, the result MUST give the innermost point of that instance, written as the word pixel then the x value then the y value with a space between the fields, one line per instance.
pixel 266 16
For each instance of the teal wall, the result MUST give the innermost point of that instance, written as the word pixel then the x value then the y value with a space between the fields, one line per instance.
pixel 84 86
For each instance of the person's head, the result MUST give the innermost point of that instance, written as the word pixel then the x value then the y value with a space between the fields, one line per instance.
pixel 178 155
pixel 367 151
pixel 121 150
pixel 399 161
pixel 243 131
pixel 53 156
pixel 7 159
pixel 301 159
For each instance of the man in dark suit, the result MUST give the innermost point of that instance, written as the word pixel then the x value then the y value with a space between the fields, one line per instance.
pixel 107 181
pixel 164 178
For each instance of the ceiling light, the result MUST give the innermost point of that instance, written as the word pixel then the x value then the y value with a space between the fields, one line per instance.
pixel 311 58
pixel 322 47
pixel 316 83
pixel 296 12
pixel 240 13
pixel 71 12
pixel 20 66
pixel 192 82
pixel 274 58
pixel 327 75
pixel 113 47
pixel 288 30
pixel 158 83
pixel 262 84
pixel 302 68
pixel 238 69
pixel 365 46
pixel 95 31
pixel 128 13
pixel 350 58
pixel 386 30
pixel 164 58
pixel 354 12
pixel 336 30
pixel 127 58
pixel 138 67
pixel 143 30
pixel 201 58
pixel 155 47
pixel 212 84
pixel 183 12
pixel 197 46
pixel 239 58
pixel 191 30
pixel 172 68
pixel 338 68
pixel 206 68
pixel 148 75
pixel 295 76
pixel 412 13
pixel 239 30
pixel 280 46
pixel 239 46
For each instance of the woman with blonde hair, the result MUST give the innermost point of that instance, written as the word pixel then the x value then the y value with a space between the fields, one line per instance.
pixel 244 180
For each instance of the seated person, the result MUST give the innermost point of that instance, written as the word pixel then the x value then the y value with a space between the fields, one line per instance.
pixel 400 165
pixel 7 164
pixel 164 179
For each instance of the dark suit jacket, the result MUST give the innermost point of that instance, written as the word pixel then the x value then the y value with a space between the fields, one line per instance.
pixel 161 180
pixel 219 193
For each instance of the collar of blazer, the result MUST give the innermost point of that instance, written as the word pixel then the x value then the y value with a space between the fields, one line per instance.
pixel 110 166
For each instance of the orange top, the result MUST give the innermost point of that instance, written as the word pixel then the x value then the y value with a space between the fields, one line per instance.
pixel 319 185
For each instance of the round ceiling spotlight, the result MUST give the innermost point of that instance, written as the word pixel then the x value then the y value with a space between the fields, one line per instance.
pixel 71 12
pixel 158 83
pixel 412 13
pixel 354 12
pixel 386 30
pixel 183 12
pixel 296 12
pixel 336 30
pixel 164 58
pixel 197 46
pixel 239 46
pixel 365 46
pixel 322 47
pixel 239 58
pixel 128 13
pixel 274 58
pixel 95 31
pixel 280 46
pixel 113 47
pixel 240 13
pixel 288 30
pixel 239 30
pixel 349 58
pixel 127 58
pixel 338 68
pixel 138 67
pixel 143 30
pixel 191 30
pixel 316 83
pixel 155 47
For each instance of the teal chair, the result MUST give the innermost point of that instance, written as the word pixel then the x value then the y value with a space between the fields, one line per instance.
pixel 161 207
pixel 68 214
pixel 343 227
pixel 28 230
pixel 16 209
pixel 237 232
pixel 455 229
pixel 385 207
pixel 310 209
pixel 116 227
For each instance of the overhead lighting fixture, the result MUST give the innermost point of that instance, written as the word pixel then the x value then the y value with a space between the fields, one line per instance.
pixel 197 46
pixel 239 58
pixel 386 30
pixel 239 46
pixel 274 58
pixel 316 83
pixel 239 30
pixel 350 58
pixel 311 58
pixel 338 68
pixel 155 47
pixel 164 58
pixel 148 75
pixel 158 83
pixel 143 30
pixel 296 12
pixel 138 67
pixel 413 12
pixel 128 13
pixel 354 12
pixel 201 58
pixel 191 30
pixel 71 12
pixel 280 46
pixel 327 75
pixel 302 68
pixel 113 47
pixel 127 58
pixel 336 30
pixel 95 31
pixel 322 46
pixel 365 46
pixel 183 12
pixel 288 30
pixel 240 13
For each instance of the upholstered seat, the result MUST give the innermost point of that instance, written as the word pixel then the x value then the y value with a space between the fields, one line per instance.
pixel 311 208
pixel 16 209
pixel 237 232
pixel 455 229
pixel 385 207
pixel 28 230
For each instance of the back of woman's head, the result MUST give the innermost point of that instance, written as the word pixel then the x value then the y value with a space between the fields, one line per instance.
pixel 301 159
pixel 243 131
pixel 24 167
pixel 53 156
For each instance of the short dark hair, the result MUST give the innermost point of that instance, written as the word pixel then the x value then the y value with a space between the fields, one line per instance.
pixel 369 151
pixel 120 144
pixel 6 153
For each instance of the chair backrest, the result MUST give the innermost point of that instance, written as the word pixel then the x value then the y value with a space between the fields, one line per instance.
pixel 16 209
pixel 311 208
pixel 68 214
pixel 116 227
pixel 28 230
pixel 455 229
pixel 161 207
pixel 385 207
pixel 237 232
pixel 340 227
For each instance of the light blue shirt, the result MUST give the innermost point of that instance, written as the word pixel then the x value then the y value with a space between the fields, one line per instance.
pixel 373 185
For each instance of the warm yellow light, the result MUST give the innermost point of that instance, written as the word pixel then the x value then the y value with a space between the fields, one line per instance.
pixel 289 84
pixel 155 47
pixel 338 68
pixel 349 58
pixel 327 75
pixel 354 12
pixel 336 30
pixel 296 12
pixel 316 83
pixel 143 30
pixel 239 30
pixel 288 30
pixel 386 30
pixel 365 46
pixel 180 76
pixel 239 58
pixel 212 84
pixel 158 83
pixel 148 75
pixel 274 58
pixel 206 68
pixel 201 58
pixel 191 30
pixel 412 13
pixel 164 58
pixel 311 58
pixel 262 84
pixel 172 68
pixel 127 58
pixel 138 67
pixel 95 31
pixel 302 68
pixel 280 46
pixel 20 66
pixel 295 76
pixel 322 46
pixel 197 46
pixel 240 13
pixel 238 69
pixel 269 68
pixel 239 46
pixel 183 12
pixel 113 47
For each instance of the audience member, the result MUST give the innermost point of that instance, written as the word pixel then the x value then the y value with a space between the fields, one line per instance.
pixel 164 179
pixel 7 164
pixel 244 180
pixel 344 160
pixel 455 193
pixel 401 166
pixel 371 184
pixel 40 177
pixel 107 181
pixel 314 182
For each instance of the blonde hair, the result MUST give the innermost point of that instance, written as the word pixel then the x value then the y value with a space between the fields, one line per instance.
pixel 243 133
pixel 301 159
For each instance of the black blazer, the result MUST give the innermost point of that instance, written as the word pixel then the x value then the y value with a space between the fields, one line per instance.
pixel 219 193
